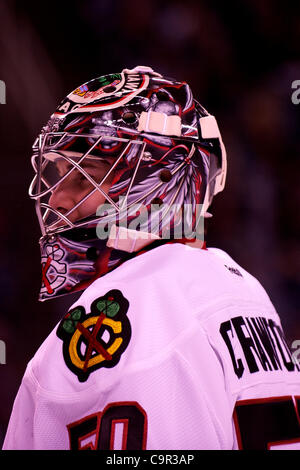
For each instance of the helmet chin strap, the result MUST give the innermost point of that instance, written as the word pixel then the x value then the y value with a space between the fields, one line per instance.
pixel 122 238
pixel 131 241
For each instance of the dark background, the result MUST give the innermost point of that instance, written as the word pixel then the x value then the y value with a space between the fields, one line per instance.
pixel 240 58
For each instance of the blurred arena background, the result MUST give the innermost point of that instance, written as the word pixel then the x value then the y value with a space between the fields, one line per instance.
pixel 240 58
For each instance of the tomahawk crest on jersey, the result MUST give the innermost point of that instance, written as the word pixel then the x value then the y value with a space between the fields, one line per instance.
pixel 163 158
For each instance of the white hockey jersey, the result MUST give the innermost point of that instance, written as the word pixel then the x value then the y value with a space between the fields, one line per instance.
pixel 178 348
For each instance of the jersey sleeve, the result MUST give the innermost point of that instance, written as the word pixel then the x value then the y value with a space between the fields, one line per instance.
pixel 20 435
pixel 187 400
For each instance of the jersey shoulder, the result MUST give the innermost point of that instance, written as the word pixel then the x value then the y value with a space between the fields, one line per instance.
pixel 174 274
pixel 143 308
pixel 237 279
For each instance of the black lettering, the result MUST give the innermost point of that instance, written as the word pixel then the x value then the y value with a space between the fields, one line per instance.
pixel 246 343
pixel 261 325
pixel 237 365
pixel 261 353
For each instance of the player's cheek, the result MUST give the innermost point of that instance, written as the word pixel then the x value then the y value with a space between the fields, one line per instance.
pixel 92 203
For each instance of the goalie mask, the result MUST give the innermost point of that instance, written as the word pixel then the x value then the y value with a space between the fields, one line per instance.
pixel 128 161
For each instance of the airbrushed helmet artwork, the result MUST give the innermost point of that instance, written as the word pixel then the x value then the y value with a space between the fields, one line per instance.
pixel 162 160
